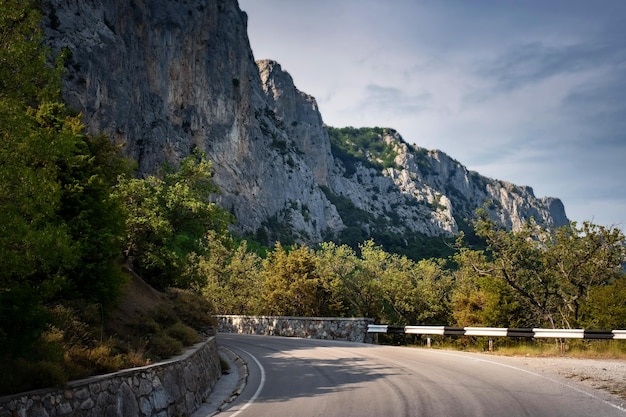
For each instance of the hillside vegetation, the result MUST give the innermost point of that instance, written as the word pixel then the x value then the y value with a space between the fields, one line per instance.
pixel 74 223
pixel 366 147
pixel 102 270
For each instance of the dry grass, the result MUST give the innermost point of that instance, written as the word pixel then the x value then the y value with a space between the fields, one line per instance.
pixel 582 349
pixel 574 348
pixel 146 326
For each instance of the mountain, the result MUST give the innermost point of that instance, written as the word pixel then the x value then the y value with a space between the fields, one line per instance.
pixel 163 78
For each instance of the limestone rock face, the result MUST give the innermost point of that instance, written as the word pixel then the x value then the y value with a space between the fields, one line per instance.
pixel 165 77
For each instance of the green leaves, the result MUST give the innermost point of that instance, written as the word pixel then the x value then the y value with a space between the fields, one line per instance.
pixel 364 145
pixel 60 229
pixel 551 273
pixel 292 284
pixel 26 77
pixel 168 217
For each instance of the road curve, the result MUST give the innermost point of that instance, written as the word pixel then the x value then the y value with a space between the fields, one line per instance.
pixel 304 377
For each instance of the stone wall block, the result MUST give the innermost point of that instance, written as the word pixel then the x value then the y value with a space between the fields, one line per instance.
pixel 335 328
pixel 127 402
pixel 174 387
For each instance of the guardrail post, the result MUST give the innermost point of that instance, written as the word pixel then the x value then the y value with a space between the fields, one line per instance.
pixel 491 344
pixel 428 341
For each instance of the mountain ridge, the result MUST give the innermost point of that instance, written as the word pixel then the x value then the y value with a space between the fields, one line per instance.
pixel 164 79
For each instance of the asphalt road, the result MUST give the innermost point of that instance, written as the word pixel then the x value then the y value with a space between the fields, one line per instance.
pixel 303 377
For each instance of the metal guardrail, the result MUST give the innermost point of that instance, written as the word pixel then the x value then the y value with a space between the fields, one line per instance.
pixel 499 332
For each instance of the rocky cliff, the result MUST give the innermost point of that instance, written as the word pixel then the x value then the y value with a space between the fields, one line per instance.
pixel 163 78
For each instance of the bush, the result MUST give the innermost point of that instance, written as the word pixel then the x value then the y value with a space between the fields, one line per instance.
pixel 183 333
pixel 22 375
pixel 192 309
pixel 162 345
pixel 92 361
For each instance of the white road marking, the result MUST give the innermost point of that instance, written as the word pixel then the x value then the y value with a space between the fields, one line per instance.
pixel 261 384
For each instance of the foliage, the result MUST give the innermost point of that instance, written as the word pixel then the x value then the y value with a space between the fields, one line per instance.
pixel 338 264
pixel 548 275
pixel 362 226
pixel 403 291
pixel 605 308
pixel 482 299
pixel 34 244
pixel 233 276
pixel 191 308
pixel 95 219
pixel 364 145
pixel 167 217
pixel 292 285
pixel 582 259
pixel 60 227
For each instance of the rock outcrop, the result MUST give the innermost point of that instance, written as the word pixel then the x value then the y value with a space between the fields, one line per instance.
pixel 163 78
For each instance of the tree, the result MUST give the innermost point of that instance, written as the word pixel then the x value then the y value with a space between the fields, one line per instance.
pixel 292 285
pixel 582 259
pixel 435 284
pixel 168 216
pixel 401 291
pixel 605 308
pixel 95 218
pixel 34 244
pixel 364 286
pixel 338 264
pixel 518 259
pixel 553 272
pixel 480 298
pixel 59 229
pixel 232 275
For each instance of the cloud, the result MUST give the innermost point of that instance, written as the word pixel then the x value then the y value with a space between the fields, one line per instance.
pixel 393 100
pixel 599 103
pixel 535 62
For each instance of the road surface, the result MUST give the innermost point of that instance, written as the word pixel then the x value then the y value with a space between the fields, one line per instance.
pixel 304 377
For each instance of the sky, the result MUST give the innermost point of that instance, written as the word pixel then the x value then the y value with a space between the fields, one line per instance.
pixel 527 91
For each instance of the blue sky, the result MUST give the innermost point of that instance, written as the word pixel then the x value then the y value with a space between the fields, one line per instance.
pixel 531 92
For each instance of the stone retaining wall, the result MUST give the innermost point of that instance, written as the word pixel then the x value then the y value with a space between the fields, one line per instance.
pixel 331 328
pixel 174 387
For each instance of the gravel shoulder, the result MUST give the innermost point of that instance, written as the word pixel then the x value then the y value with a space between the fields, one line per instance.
pixel 605 375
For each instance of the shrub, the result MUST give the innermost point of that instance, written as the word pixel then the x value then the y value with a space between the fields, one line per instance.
pixel 192 309
pixel 183 333
pixel 23 375
pixel 162 345
pixel 92 361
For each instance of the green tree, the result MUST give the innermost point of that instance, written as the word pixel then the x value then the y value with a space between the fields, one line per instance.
pixel 95 219
pixel 34 243
pixel 581 259
pixel 482 298
pixel 364 287
pixel 59 229
pixel 338 264
pixel 605 308
pixel 518 258
pixel 398 282
pixel 553 272
pixel 435 285
pixel 401 291
pixel 292 285
pixel 232 275
pixel 168 216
